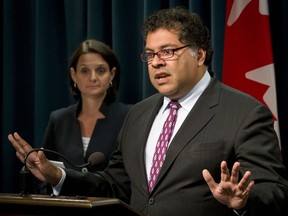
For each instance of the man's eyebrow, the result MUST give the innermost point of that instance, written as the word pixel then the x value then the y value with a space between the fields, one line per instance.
pixel 161 47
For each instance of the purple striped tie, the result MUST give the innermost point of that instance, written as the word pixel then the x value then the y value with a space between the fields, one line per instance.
pixel 162 143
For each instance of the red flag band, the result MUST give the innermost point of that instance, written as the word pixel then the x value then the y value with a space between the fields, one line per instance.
pixel 248 60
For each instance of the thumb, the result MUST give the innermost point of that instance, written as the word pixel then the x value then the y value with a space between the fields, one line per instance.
pixel 41 157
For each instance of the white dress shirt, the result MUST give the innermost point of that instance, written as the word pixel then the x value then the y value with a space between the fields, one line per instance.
pixel 187 104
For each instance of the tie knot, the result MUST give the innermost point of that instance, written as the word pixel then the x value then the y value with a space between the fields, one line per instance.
pixel 174 105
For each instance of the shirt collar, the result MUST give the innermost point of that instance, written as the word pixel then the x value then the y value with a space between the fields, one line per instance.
pixel 189 99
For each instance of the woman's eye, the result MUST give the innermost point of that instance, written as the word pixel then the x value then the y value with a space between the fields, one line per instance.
pixel 84 70
pixel 101 70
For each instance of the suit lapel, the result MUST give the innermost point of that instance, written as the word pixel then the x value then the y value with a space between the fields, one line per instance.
pixel 196 120
pixel 150 114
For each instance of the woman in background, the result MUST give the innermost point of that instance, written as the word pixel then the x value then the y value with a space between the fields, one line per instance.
pixel 92 124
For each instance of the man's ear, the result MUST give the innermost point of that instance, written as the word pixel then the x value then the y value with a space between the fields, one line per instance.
pixel 201 56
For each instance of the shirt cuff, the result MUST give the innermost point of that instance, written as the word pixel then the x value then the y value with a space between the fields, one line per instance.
pixel 57 188
pixel 240 213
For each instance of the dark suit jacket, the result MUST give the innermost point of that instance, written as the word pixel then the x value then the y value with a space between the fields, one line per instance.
pixel 224 124
pixel 63 133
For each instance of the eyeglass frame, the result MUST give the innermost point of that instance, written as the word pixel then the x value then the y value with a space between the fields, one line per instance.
pixel 159 52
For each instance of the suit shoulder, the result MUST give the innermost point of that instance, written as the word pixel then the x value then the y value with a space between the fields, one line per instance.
pixel 238 96
pixel 149 101
pixel 64 112
pixel 121 106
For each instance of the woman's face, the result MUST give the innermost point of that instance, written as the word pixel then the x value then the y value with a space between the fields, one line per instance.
pixel 92 75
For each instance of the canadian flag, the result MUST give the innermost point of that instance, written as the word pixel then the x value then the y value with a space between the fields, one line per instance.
pixel 248 60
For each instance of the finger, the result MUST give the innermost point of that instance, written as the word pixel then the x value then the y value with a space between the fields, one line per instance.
pixel 245 181
pixel 20 152
pixel 20 156
pixel 35 159
pixel 209 179
pixel 246 192
pixel 25 147
pixel 250 187
pixel 41 156
pixel 21 146
pixel 13 141
pixel 235 173
pixel 225 175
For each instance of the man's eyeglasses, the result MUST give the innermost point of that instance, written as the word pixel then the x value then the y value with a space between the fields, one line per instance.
pixel 162 54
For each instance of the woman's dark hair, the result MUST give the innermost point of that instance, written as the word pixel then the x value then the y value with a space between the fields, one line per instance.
pixel 94 46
